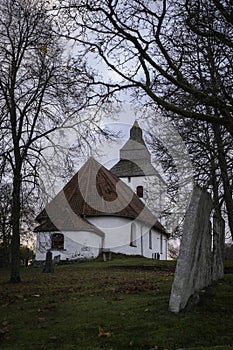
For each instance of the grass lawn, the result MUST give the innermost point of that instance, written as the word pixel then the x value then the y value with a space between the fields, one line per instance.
pixel 116 305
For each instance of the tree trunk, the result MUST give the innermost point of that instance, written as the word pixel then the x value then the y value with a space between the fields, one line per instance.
pixel 218 246
pixel 229 125
pixel 224 175
pixel 15 241
pixel 5 242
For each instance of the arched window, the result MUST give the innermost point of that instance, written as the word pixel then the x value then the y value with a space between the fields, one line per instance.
pixel 57 241
pixel 150 239
pixel 161 244
pixel 140 191
pixel 133 236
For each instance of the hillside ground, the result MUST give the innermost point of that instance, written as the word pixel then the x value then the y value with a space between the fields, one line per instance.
pixel 115 305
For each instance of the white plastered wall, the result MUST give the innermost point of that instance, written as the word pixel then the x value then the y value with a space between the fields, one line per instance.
pixel 84 244
pixel 77 244
pixel 154 191
pixel 118 236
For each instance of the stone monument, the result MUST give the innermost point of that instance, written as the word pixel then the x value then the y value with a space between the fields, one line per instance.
pixel 194 264
pixel 48 268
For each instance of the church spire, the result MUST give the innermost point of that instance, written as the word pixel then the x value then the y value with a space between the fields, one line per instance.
pixel 135 148
pixel 135 159
pixel 136 133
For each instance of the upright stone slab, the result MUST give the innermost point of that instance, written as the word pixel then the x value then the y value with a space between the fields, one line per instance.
pixel 48 268
pixel 193 270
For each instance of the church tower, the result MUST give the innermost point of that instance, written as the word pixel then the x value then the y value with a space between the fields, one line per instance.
pixel 136 170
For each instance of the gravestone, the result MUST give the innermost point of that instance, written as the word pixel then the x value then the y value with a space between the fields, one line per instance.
pixel 194 264
pixel 48 268
pixel 106 253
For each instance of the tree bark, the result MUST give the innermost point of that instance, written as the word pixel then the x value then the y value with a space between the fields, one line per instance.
pixel 224 175
pixel 15 241
pixel 5 242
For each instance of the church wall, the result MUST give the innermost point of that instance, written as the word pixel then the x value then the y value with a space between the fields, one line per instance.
pixel 154 244
pixel 153 190
pixel 118 237
pixel 117 230
pixel 77 245
pixel 84 244
pixel 142 247
pixel 135 154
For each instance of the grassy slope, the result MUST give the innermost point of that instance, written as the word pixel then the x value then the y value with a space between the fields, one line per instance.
pixel 64 310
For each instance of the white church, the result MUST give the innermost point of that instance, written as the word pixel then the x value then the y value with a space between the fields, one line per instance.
pixel 101 210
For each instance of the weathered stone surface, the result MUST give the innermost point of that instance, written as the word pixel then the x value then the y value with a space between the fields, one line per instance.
pixel 49 263
pixel 194 265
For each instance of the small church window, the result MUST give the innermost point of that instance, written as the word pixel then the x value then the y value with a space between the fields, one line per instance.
pixel 133 236
pixel 57 241
pixel 129 179
pixel 140 191
pixel 161 244
pixel 150 239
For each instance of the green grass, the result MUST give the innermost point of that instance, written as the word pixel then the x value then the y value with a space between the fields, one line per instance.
pixel 127 297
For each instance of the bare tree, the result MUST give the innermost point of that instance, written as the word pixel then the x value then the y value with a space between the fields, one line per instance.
pixel 175 54
pixel 151 47
pixel 207 160
pixel 41 88
pixel 5 222
pixel 210 144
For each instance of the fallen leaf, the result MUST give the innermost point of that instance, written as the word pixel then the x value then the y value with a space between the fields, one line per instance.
pixel 50 307
pixel 4 330
pixel 53 338
pixel 19 296
pixel 119 298
pixel 103 334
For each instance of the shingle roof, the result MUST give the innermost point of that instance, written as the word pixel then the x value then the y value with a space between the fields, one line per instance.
pixel 93 191
pixel 126 167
